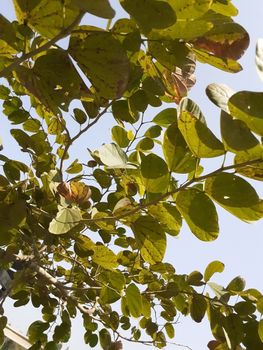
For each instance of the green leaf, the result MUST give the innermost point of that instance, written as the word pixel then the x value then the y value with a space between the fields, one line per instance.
pixel 168 216
pixel 154 173
pixel 237 284
pixel 236 136
pixel 150 13
pixel 259 58
pixel 248 107
pixel 66 219
pixel 183 31
pixel 166 117
pixel 122 112
pixel 189 9
pixel 134 300
pixel 169 328
pixel 201 141
pixel 225 64
pixel 224 7
pixel 178 156
pixel 138 102
pixel 199 213
pixel 198 307
pixel 32 125
pixel 255 170
pixel 260 305
pixel 48 82
pixel 80 115
pixel 99 8
pixel 75 167
pixel 145 144
pixel 36 330
pixel 260 330
pixel 113 156
pixel 47 17
pixel 150 238
pixel 102 58
pixel 235 195
pixel 219 94
pixel 101 254
pixel 120 136
pixel 153 131
pixel 212 268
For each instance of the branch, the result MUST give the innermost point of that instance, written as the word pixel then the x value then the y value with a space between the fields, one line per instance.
pixel 64 292
pixel 66 31
pixel 81 132
pixel 168 194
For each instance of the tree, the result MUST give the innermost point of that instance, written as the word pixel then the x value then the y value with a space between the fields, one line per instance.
pixel 90 236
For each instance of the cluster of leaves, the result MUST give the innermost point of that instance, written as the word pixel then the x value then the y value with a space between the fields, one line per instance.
pixel 94 240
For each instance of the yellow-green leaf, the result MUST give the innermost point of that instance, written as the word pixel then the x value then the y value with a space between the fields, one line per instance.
pixel 199 213
pixel 248 107
pixel 150 238
pixel 102 58
pixel 235 195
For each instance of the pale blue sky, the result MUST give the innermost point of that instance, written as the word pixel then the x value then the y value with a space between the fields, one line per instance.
pixel 239 245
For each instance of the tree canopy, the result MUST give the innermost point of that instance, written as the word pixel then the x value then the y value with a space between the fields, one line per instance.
pixel 90 236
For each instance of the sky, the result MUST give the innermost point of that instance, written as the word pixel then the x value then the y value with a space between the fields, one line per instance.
pixel 239 245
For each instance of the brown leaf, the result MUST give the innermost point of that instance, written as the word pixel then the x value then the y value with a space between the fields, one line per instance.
pixel 74 191
pixel 226 48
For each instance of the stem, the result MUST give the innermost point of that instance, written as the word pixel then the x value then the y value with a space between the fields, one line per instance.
pixel 168 194
pixel 81 132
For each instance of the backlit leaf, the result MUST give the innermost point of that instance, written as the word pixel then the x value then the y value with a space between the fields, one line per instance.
pixel 134 300
pixel 154 173
pixel 201 141
pixel 168 216
pixel 248 107
pixel 199 213
pixel 150 13
pixel 100 8
pixel 150 238
pixel 236 136
pixel 212 268
pixel 102 58
pixel 235 195
pixel 47 17
pixel 178 156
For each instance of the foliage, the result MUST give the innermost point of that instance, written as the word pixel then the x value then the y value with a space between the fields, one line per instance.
pixel 90 236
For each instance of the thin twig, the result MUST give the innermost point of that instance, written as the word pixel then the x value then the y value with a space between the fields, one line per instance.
pixel 81 132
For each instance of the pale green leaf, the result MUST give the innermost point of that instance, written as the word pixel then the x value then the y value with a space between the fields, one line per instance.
pixel 113 156
pixel 65 220
pixel 219 94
